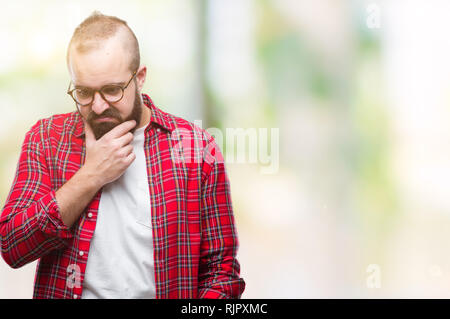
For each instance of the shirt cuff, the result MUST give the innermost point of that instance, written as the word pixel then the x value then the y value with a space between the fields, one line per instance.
pixel 49 218
pixel 209 293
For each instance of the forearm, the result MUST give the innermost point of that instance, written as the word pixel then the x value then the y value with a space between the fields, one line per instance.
pixel 106 159
pixel 75 195
pixel 219 271
pixel 220 279
pixel 29 232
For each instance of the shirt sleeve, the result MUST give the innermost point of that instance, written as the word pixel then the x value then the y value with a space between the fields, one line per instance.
pixel 219 268
pixel 30 222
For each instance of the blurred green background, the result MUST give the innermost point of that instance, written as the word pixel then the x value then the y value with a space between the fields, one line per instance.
pixel 357 89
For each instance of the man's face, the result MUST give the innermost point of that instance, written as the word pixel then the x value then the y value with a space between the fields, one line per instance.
pixel 111 117
pixel 108 64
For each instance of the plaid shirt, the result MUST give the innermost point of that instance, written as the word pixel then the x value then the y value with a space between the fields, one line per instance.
pixel 194 236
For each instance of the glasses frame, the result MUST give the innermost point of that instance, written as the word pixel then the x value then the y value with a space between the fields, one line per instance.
pixel 70 92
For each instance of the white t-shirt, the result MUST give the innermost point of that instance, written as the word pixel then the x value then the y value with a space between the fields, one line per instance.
pixel 120 260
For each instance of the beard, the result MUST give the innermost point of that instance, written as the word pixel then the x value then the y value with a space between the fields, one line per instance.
pixel 101 128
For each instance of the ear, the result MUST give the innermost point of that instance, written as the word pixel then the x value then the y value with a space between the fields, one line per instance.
pixel 140 77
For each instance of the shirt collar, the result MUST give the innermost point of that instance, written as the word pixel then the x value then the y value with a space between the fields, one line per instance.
pixel 158 118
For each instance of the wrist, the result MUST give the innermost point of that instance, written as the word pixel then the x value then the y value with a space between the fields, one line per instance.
pixel 90 178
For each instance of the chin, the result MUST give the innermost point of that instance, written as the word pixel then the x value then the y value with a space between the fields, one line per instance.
pixel 103 128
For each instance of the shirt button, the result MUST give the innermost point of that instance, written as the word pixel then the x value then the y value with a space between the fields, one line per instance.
pixel 75 296
pixel 90 215
pixel 158 130
pixel 81 253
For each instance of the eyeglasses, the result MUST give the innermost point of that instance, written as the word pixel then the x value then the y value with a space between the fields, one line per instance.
pixel 111 93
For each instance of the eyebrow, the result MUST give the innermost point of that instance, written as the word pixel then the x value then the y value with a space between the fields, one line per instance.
pixel 86 87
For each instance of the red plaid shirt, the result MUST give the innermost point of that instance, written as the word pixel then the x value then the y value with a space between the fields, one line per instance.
pixel 194 236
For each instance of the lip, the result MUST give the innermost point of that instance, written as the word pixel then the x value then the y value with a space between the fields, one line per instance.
pixel 104 119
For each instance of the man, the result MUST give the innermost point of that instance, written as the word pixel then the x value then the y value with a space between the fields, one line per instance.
pixel 120 199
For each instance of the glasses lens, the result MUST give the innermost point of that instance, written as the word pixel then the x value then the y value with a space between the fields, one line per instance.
pixel 83 96
pixel 112 93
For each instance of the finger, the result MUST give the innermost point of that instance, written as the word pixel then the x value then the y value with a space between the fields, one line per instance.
pixel 121 129
pixel 130 158
pixel 126 150
pixel 125 139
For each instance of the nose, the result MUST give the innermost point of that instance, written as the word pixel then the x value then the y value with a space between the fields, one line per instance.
pixel 99 105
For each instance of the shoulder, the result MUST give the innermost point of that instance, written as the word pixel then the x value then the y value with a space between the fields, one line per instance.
pixel 178 127
pixel 181 128
pixel 194 141
pixel 55 125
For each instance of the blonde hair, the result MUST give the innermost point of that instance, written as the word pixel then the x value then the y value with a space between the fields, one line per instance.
pixel 98 27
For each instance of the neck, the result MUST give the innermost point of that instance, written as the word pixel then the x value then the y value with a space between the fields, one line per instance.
pixel 145 117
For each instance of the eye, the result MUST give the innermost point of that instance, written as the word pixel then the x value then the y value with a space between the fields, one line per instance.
pixel 83 93
pixel 112 90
